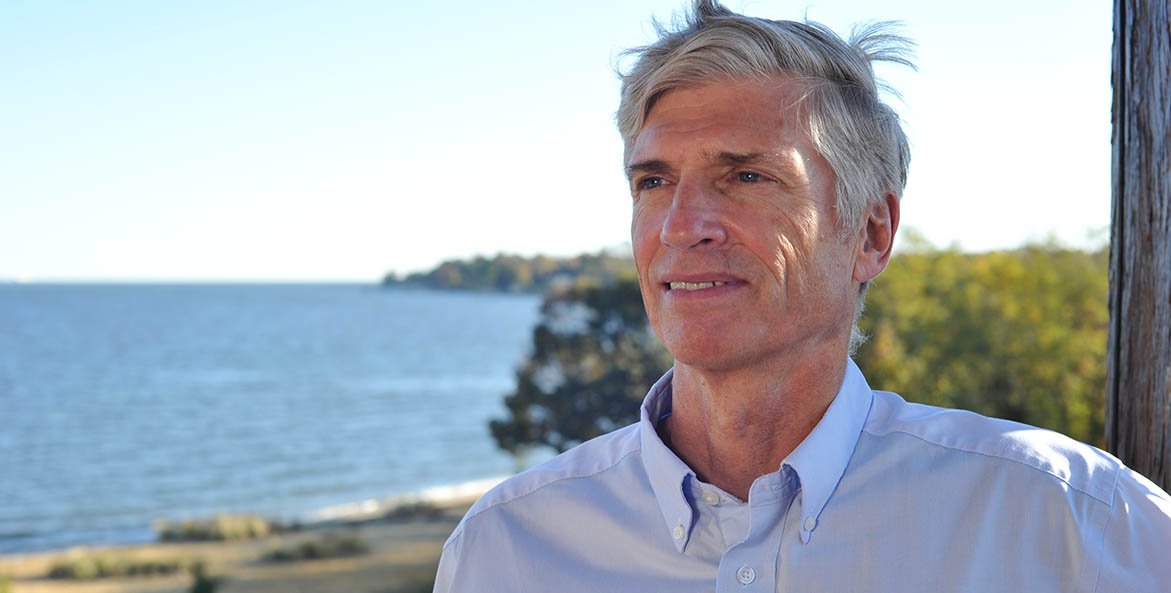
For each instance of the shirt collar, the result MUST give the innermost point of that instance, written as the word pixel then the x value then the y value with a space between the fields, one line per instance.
pixel 819 461
pixel 664 469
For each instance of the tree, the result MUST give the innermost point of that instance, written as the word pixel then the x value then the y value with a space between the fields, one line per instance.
pixel 1015 334
pixel 594 356
pixel 1138 426
pixel 512 273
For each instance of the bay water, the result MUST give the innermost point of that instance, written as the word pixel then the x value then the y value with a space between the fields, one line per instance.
pixel 124 404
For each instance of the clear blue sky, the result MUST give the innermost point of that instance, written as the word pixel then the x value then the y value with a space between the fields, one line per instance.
pixel 305 140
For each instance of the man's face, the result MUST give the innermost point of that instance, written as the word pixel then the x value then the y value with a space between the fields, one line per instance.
pixel 738 255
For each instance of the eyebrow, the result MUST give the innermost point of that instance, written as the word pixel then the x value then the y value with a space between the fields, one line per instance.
pixel 769 160
pixel 726 158
pixel 746 158
pixel 645 167
pixel 729 158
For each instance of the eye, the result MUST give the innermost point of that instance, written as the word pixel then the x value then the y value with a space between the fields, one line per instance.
pixel 649 183
pixel 748 177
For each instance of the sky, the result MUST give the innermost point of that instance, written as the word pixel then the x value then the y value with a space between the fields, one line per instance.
pixel 339 140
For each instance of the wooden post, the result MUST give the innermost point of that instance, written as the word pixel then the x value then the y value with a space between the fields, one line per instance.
pixel 1138 370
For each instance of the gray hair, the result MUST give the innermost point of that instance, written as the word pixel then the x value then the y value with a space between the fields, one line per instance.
pixel 857 134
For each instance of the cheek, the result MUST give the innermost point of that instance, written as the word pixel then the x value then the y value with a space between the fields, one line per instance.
pixel 787 245
pixel 782 252
pixel 645 229
pixel 796 233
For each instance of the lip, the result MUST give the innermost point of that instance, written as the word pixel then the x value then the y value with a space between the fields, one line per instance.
pixel 697 277
pixel 730 284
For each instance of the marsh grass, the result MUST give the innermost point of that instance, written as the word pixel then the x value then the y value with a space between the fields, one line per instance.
pixel 201 582
pixel 420 581
pixel 107 565
pixel 222 527
pixel 415 510
pixel 330 545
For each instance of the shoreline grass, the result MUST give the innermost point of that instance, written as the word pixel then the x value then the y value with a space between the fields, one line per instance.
pixel 222 527
pixel 102 565
pixel 329 545
pixel 400 557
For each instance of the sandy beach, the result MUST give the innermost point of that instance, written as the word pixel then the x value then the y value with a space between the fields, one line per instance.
pixel 402 557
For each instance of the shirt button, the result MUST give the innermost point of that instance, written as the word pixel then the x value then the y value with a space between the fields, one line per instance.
pixel 810 523
pixel 711 497
pixel 678 532
pixel 745 575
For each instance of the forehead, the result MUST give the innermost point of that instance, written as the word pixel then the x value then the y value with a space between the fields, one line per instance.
pixel 742 116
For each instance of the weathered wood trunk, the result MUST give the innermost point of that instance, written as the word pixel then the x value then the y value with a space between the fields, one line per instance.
pixel 1138 373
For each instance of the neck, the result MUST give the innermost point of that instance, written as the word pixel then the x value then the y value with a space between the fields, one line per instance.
pixel 732 427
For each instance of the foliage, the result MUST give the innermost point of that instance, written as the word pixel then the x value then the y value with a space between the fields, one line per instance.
pixel 1015 334
pixel 222 527
pixel 201 582
pixel 415 580
pixel 594 356
pixel 512 273
pixel 105 565
pixel 331 545
pixel 409 511
pixel 5 584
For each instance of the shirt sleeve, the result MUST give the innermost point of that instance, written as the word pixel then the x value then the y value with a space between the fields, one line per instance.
pixel 445 575
pixel 1137 538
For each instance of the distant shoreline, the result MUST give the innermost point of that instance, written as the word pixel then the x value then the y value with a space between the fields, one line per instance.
pixel 370 509
pixel 401 556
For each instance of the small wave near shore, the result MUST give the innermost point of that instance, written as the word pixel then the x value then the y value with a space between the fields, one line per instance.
pixel 374 508
pixel 462 493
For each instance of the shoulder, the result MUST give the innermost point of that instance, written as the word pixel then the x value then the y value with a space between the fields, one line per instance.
pixel 591 460
pixel 1020 497
pixel 566 513
pixel 1043 454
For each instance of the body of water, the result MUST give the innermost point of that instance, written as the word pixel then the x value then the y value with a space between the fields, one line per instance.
pixel 122 404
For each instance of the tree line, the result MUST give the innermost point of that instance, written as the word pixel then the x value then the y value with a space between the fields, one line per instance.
pixel 514 273
pixel 1017 334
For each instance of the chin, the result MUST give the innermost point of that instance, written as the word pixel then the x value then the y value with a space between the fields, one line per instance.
pixel 708 355
pixel 703 345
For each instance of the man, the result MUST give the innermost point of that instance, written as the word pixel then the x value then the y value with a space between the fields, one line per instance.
pixel 765 175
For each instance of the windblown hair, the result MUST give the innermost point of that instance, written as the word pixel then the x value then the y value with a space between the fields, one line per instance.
pixel 857 134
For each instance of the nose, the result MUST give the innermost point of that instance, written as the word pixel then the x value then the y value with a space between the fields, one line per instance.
pixel 694 218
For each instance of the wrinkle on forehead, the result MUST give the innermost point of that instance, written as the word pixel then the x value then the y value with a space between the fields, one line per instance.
pixel 747 126
pixel 794 91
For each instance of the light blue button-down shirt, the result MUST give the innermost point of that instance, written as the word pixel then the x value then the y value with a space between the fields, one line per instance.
pixel 883 495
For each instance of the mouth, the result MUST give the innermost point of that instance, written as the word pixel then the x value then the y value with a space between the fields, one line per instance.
pixel 697 285
pixel 690 286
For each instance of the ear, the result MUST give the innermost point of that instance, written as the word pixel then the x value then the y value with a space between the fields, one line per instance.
pixel 877 238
